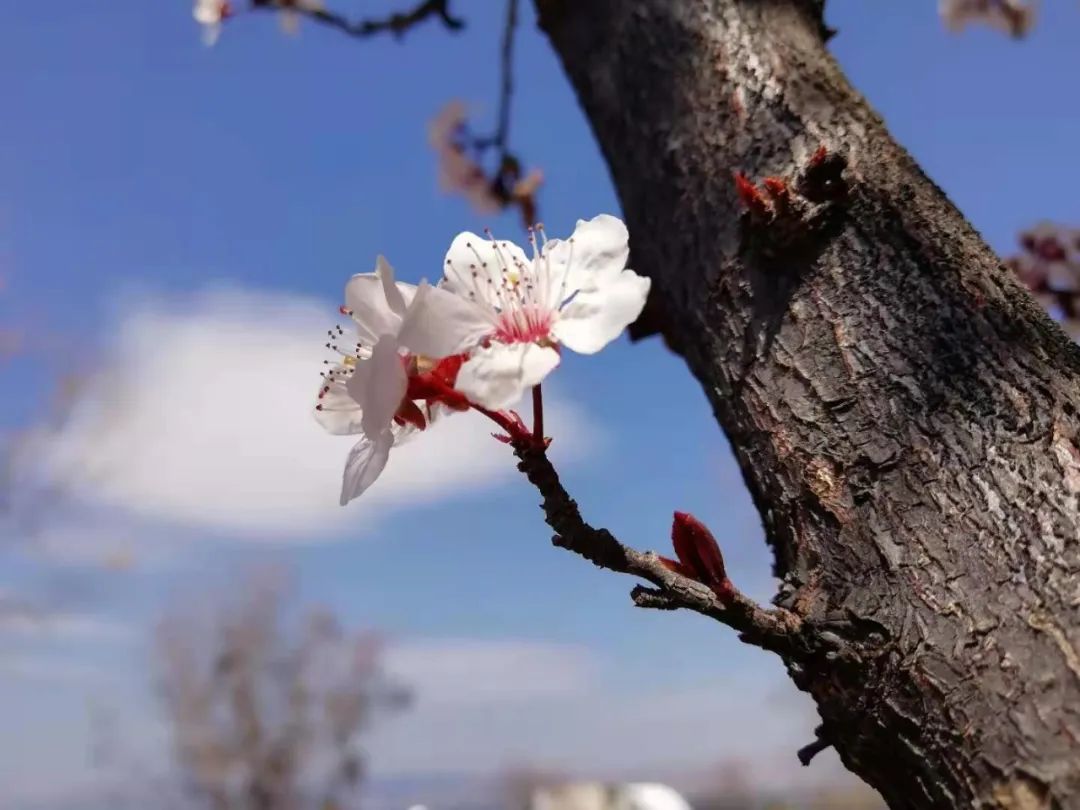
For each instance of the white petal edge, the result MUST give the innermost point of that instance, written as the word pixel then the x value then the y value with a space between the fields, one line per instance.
pixel 440 323
pixel 594 254
pixel 595 318
pixel 398 295
pixel 365 463
pixel 379 385
pixel 497 376
pixel 365 296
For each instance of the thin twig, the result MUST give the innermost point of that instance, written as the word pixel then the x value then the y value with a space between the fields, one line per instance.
pixel 501 138
pixel 538 414
pixel 775 629
pixel 396 24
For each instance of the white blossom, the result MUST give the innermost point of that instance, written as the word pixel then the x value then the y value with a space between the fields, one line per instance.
pixel 365 392
pixel 512 314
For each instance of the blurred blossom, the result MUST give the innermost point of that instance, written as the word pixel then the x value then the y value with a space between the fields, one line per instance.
pixel 210 14
pixel 1014 17
pixel 291 10
pixel 458 171
pixel 1049 266
pixel 601 796
pixel 458 152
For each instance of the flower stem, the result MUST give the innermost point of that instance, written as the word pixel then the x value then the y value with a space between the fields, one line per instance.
pixel 498 417
pixel 538 414
pixel 516 430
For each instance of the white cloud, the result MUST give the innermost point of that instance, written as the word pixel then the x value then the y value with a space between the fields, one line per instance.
pixel 202 418
pixel 487 706
pixel 471 671
pixel 65 626
pixel 23 618
pixel 51 669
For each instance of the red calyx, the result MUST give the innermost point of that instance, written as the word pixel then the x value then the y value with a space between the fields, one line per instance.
pixel 409 413
pixel 437 385
pixel 698 553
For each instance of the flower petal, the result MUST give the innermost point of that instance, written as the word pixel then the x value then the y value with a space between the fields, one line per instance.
pixel 498 375
pixel 595 253
pixel 365 463
pixel 339 413
pixel 596 317
pixel 376 302
pixel 476 268
pixel 211 33
pixel 439 323
pixel 398 295
pixel 379 384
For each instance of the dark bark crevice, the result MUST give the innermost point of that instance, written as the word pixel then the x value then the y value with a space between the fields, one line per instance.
pixel 904 415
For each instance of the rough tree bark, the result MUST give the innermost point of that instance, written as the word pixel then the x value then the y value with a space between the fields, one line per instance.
pixel 904 415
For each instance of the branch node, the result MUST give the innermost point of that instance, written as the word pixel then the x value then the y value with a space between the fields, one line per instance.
pixel 652 598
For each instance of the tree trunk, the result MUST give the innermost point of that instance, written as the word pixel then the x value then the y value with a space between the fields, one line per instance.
pixel 904 415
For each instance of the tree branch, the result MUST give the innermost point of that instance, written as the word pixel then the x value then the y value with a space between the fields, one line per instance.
pixel 500 138
pixel 774 629
pixel 396 24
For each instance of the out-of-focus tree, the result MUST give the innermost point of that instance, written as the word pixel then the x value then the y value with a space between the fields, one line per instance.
pixel 266 713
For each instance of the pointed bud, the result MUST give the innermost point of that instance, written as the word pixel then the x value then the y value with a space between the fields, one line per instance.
pixel 698 551
pixel 677 567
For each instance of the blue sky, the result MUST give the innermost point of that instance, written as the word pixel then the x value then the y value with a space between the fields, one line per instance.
pixel 162 203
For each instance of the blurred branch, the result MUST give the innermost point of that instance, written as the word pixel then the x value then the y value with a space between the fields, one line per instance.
pixel 500 138
pixel 396 24
pixel 505 184
pixel 508 185
pixel 774 629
